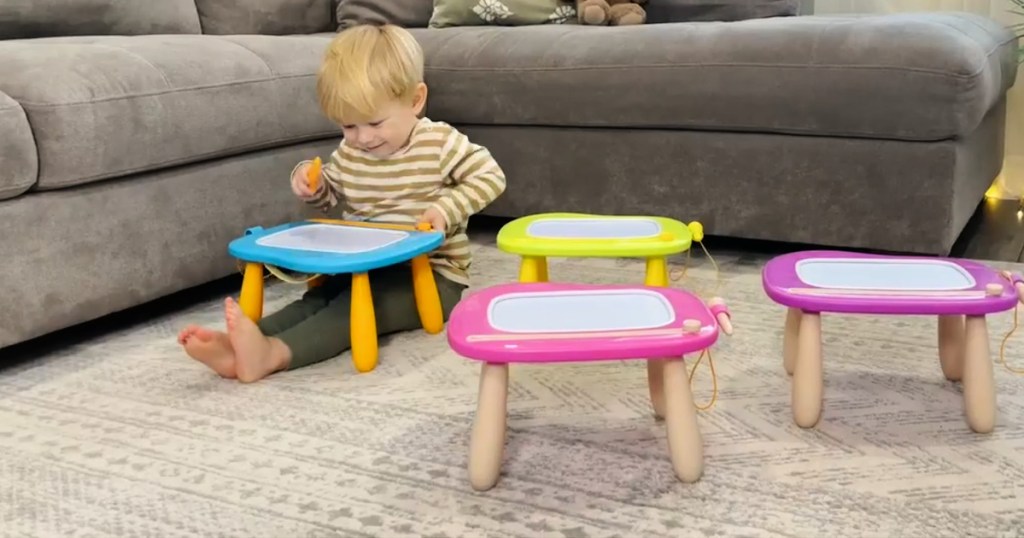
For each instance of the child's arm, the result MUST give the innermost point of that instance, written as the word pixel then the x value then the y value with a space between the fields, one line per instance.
pixel 326 193
pixel 478 178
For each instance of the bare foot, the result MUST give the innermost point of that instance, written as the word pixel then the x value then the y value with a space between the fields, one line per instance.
pixel 256 356
pixel 212 348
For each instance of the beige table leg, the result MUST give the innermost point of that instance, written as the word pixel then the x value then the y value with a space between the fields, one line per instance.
pixel 685 445
pixel 808 375
pixel 979 385
pixel 656 385
pixel 656 274
pixel 487 443
pixel 951 346
pixel 789 339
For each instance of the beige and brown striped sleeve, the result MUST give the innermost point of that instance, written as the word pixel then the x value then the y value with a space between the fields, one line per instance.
pixel 477 177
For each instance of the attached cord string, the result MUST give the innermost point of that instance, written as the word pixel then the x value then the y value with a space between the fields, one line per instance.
pixel 714 379
pixel 1002 346
pixel 279 274
pixel 290 279
pixel 697 234
pixel 1018 287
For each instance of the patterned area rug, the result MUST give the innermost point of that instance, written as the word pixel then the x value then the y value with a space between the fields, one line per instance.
pixel 125 436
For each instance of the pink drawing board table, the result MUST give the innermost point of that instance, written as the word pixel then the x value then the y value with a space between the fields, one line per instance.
pixel 554 323
pixel 960 293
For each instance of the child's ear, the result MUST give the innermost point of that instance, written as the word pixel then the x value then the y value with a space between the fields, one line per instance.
pixel 419 99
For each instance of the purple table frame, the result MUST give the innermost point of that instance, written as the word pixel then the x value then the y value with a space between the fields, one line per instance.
pixel 963 341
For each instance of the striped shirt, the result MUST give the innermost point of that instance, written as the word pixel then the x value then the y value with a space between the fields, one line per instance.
pixel 439 168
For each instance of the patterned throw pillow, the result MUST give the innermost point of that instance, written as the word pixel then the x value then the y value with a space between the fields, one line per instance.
pixel 449 13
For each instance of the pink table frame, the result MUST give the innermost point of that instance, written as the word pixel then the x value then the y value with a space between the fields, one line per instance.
pixel 695 327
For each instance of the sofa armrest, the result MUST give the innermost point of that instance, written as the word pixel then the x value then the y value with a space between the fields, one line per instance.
pixel 665 11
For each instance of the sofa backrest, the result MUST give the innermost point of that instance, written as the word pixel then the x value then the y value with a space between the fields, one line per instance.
pixel 416 13
pixel 408 13
pixel 659 11
pixel 269 17
pixel 48 18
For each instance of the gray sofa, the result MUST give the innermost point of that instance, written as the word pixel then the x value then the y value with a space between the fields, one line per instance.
pixel 129 161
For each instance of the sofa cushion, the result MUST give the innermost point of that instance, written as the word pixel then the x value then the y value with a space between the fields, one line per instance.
pixel 103 107
pixel 407 13
pixel 662 11
pixel 916 77
pixel 268 17
pixel 17 150
pixel 42 18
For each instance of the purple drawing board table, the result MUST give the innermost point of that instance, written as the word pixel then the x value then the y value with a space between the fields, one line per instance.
pixel 555 323
pixel 960 293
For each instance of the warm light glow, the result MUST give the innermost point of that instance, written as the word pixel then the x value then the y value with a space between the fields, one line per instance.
pixel 994 191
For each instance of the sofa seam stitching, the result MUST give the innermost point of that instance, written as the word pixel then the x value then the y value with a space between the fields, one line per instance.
pixel 138 56
pixel 932 72
pixel 224 39
pixel 193 159
pixel 34 104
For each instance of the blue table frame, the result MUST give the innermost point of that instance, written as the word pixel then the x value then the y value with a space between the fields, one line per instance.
pixel 256 249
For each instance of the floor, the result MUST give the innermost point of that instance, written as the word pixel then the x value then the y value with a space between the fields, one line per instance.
pixel 119 434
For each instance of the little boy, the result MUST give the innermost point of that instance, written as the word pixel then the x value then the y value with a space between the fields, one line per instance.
pixel 392 166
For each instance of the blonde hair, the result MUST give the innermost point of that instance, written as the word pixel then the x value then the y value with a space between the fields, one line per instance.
pixel 366 67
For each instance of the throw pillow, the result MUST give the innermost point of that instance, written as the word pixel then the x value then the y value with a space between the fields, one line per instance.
pixel 449 13
pixel 407 13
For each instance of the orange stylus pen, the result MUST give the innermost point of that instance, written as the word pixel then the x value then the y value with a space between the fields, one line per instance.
pixel 313 175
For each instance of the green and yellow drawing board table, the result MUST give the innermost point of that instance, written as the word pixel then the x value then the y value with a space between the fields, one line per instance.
pixel 579 235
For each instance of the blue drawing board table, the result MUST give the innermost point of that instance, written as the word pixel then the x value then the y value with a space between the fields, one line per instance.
pixel 332 247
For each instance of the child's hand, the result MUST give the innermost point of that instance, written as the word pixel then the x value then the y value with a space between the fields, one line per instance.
pixel 300 182
pixel 435 218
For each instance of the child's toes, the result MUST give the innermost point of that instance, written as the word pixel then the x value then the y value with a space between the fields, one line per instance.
pixel 185 333
pixel 203 334
pixel 229 313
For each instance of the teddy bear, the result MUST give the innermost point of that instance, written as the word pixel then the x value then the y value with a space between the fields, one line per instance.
pixel 611 12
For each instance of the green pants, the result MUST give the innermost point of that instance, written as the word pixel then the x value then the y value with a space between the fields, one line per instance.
pixel 316 327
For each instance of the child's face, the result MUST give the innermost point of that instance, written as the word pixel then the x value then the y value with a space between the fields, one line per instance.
pixel 389 129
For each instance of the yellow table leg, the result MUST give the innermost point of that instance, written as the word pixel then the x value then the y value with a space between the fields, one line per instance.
pixel 533 269
pixel 251 298
pixel 657 272
pixel 364 324
pixel 428 300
